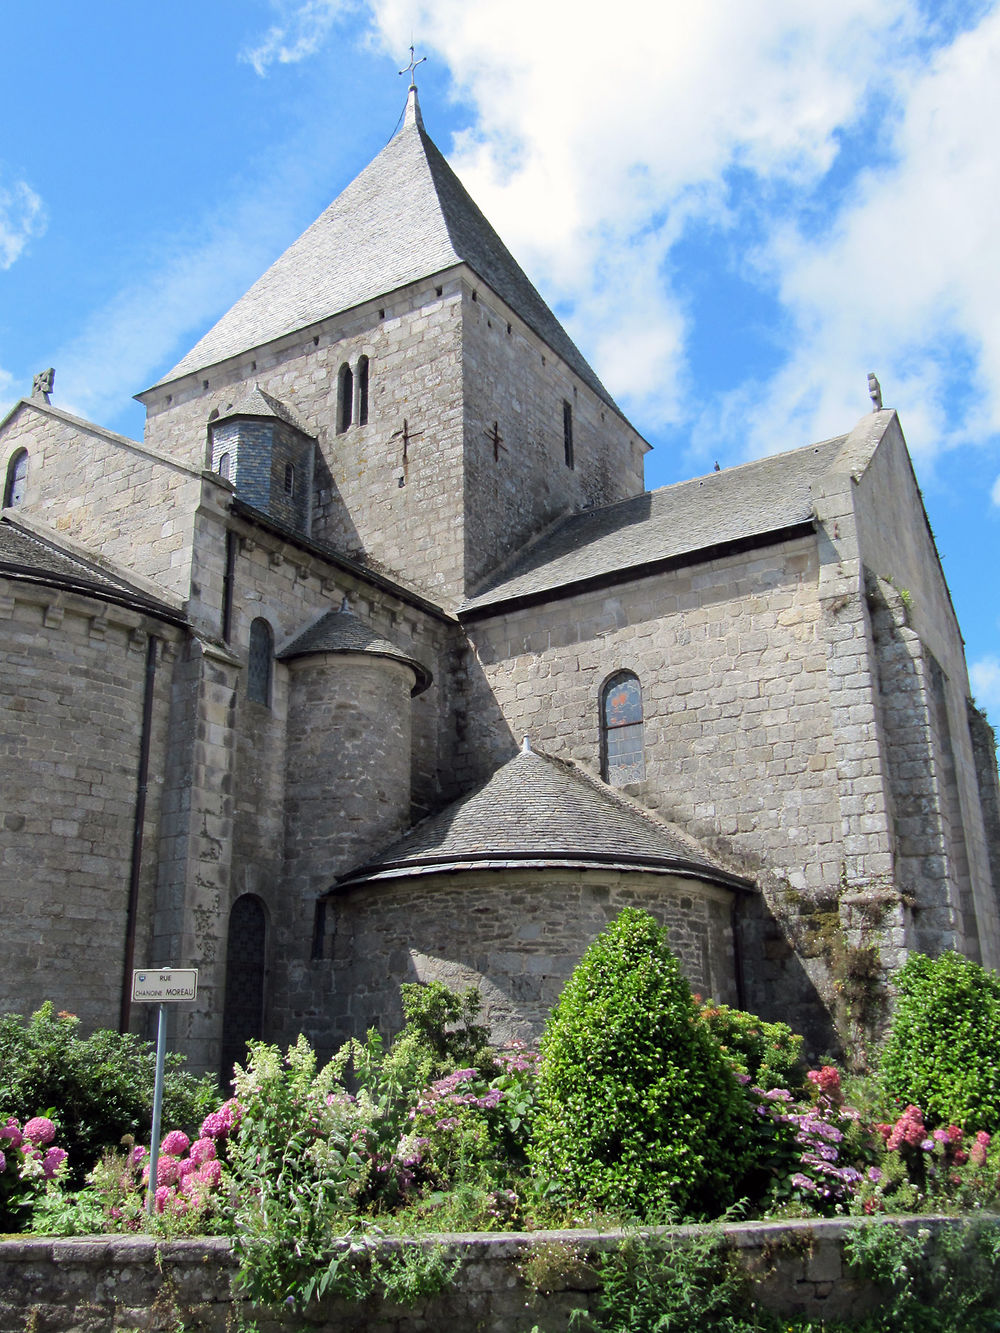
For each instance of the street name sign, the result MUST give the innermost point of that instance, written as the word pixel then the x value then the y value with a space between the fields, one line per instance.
pixel 164 985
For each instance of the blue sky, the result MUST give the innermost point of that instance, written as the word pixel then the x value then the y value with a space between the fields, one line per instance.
pixel 738 210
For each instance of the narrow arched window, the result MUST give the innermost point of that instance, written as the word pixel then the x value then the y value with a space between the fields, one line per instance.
pixel 17 479
pixel 289 479
pixel 225 468
pixel 568 433
pixel 345 397
pixel 363 391
pixel 243 1000
pixel 259 663
pixel 622 758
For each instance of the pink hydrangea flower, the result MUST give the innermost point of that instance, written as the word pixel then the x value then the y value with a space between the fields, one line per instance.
pixel 12 1132
pixel 176 1143
pixel 202 1150
pixel 54 1158
pixel 210 1173
pixel 40 1130
pixel 161 1197
pixel 136 1155
pixel 222 1122
pixel 3 1163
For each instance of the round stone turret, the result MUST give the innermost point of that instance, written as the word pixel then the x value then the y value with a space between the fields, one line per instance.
pixel 348 749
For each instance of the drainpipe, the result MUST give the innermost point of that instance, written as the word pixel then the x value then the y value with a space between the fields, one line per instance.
pixel 141 786
pixel 736 920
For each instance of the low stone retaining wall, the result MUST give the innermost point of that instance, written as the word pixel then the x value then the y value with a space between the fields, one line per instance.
pixel 89 1285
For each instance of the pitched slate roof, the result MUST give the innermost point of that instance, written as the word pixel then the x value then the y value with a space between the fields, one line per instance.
pixel 25 555
pixel 407 216
pixel 342 632
pixel 254 402
pixel 671 524
pixel 538 810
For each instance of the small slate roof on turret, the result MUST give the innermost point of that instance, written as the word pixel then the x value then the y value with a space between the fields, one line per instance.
pixel 342 632
pixel 407 216
pixel 674 524
pixel 254 402
pixel 538 810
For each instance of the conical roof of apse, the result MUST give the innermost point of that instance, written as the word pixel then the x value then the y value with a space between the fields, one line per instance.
pixel 538 810
pixel 407 216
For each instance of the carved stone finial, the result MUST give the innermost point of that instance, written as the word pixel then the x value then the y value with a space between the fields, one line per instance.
pixel 875 393
pixel 345 606
pixel 526 746
pixel 42 384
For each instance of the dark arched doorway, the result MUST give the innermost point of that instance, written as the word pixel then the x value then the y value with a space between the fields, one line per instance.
pixel 243 1008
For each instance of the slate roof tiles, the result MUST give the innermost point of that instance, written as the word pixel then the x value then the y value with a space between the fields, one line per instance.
pixel 406 216
pixel 539 809
pixel 738 504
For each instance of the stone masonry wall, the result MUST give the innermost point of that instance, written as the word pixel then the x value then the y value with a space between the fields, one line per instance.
pixel 920 833
pixel 72 686
pixel 739 743
pixel 515 935
pixel 514 491
pixel 226 792
pixel 895 542
pixel 732 668
pixel 120 1282
pixel 984 750
pixel 122 501
pixel 364 499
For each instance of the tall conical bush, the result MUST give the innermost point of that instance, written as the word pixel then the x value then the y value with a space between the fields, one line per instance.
pixel 638 1111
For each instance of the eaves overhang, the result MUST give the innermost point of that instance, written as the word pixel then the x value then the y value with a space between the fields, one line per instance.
pixel 504 605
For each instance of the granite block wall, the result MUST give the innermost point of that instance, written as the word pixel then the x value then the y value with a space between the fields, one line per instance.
pixel 72 681
pixel 127 504
pixel 515 489
pixel 515 934
pixel 123 1282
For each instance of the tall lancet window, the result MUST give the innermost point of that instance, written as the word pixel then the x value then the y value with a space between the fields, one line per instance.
pixel 17 479
pixel 345 398
pixel 363 391
pixel 622 759
pixel 259 662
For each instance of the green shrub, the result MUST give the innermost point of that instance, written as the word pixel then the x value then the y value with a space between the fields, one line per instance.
pixel 96 1089
pixel 769 1054
pixel 443 1021
pixel 637 1107
pixel 941 1053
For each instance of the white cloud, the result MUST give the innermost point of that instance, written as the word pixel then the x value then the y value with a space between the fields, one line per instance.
pixel 22 217
pixel 597 142
pixel 300 32
pixel 905 282
pixel 984 677
pixel 995 492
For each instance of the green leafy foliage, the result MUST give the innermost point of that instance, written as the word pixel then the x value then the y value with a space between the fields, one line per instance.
pixel 667 1283
pixel 96 1089
pixel 769 1054
pixel 295 1171
pixel 443 1021
pixel 637 1105
pixel 941 1053
pixel 943 1282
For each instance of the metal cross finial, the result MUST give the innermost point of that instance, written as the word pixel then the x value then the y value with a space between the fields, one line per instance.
pixel 411 67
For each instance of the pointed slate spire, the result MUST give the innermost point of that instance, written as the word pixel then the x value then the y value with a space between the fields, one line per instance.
pixel 407 216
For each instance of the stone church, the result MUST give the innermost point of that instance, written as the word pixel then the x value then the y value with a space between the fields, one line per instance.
pixel 374 662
